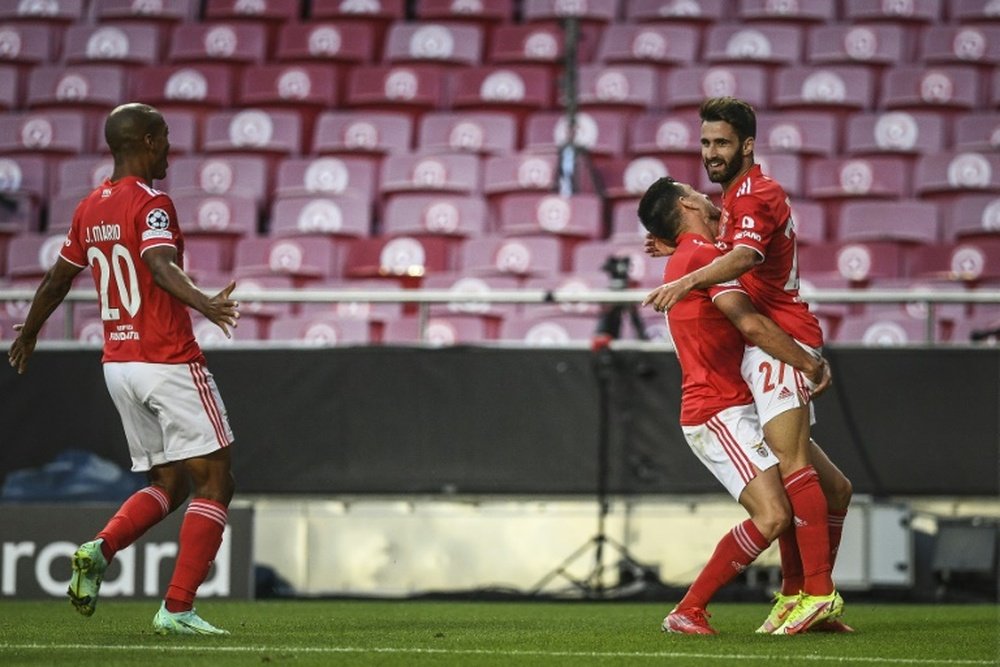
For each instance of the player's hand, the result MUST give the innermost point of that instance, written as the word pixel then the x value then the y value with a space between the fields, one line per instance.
pixel 224 311
pixel 822 378
pixel 20 351
pixel 655 247
pixel 664 297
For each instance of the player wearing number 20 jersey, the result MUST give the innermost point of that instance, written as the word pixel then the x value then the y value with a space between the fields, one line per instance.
pixel 111 229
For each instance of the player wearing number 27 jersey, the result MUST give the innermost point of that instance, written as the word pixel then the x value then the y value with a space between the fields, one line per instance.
pixel 111 230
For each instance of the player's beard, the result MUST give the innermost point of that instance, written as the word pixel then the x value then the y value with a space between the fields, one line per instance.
pixel 726 173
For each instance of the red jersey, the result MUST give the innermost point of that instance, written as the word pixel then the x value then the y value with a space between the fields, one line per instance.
pixel 756 214
pixel 709 347
pixel 111 229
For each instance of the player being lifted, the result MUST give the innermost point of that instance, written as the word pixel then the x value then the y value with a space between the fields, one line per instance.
pixel 758 233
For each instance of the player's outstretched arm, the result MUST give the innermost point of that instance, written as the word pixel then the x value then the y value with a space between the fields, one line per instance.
pixel 730 266
pixel 219 309
pixel 768 336
pixel 50 293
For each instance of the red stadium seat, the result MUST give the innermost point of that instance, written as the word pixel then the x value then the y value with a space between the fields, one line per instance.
pixel 326 42
pixel 268 10
pixel 79 175
pixel 435 214
pixel 461 283
pixel 522 256
pixel 567 286
pixel 704 11
pixel 875 44
pixel 473 132
pixel 82 87
pixel 406 88
pixel 437 172
pixel 951 173
pixel 810 222
pixel 345 132
pixel 599 132
pixel 908 221
pixel 47 132
pixel 253 131
pixel 579 215
pixel 295 86
pixel 437 331
pixel 403 258
pixel 548 331
pixel 23 189
pixel 31 255
pixel 162 11
pixel 387 10
pixel 220 175
pixel 855 261
pixel 10 88
pixel 994 99
pixel 622 88
pixel 28 44
pixel 597 11
pixel 125 43
pixel 327 176
pixel 319 331
pixel 304 259
pixel 657 133
pixel 218 41
pixel 802 12
pixel 59 213
pixel 834 87
pixel 376 314
pixel 208 260
pixel 57 12
pixel 189 87
pixel 527 44
pixel 513 87
pixel 228 216
pixel 625 224
pixel 687 87
pixel 754 44
pixel 884 330
pixel 495 11
pixel 970 261
pixel 631 177
pixel 516 172
pixel 926 88
pixel 903 132
pixel 803 133
pixel 977 132
pixel 184 130
pixel 434 43
pixel 974 217
pixel 346 215
pixel 961 45
pixel 916 11
pixel 655 44
pixel 880 176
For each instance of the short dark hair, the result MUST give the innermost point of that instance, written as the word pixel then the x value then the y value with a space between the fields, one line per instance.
pixel 128 124
pixel 658 210
pixel 736 112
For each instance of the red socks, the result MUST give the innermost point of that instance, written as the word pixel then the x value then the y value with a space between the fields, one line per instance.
pixel 144 509
pixel 791 563
pixel 201 535
pixel 811 530
pixel 835 519
pixel 737 549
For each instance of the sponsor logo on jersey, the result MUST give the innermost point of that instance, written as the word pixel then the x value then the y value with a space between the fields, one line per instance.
pixel 157 219
pixel 750 236
pixel 156 234
pixel 748 222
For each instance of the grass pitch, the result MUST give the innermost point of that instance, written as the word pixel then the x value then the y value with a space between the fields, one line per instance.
pixel 487 633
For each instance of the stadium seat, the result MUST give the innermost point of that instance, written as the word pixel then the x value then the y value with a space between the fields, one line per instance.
pixel 599 132
pixel 124 43
pixel 210 336
pixel 438 331
pixel 548 331
pixel 970 261
pixel 658 133
pixel 23 190
pixel 927 88
pixel 908 221
pixel 762 44
pixel 631 177
pixel 461 283
pixel 810 222
pixel 57 12
pixel 471 131
pixel 59 213
pixel 873 44
pixel 643 270
pixel 855 261
pixel 219 175
pixel 687 87
pixel 503 88
pixel 601 12
pixel 437 172
pixel 974 217
pixel 326 176
pixel 916 11
pixel 659 44
pixel 567 286
pixel 229 216
pixel 804 133
pixel 161 11
pixel 977 132
pixel 884 330
pixel 703 11
pixel 527 213
pixel 620 88
pixel 946 314
pixel 46 132
pixel 786 168
pixel 375 313
pixel 516 172
pixel 29 255
pixel 348 132
pixel 403 88
pixel 454 216
pixel 304 259
pixel 28 44
pixel 253 131
pixel 406 259
pixel 482 13
pixel 217 42
pixel 240 10
pixel 961 45
pixel 334 215
pixel 197 87
pixel 527 44
pixel 296 86
pixel 387 10
pixel 319 331
pixel 208 260
pixel 325 42
pixel 803 12
pixel 625 225
pixel 10 88
pixel 521 256
pixel 994 99
pixel 184 127
pixel 896 132
pixel 434 43
pixel 87 88
pixel 879 176
pixel 77 176
pixel 833 87
pixel 953 172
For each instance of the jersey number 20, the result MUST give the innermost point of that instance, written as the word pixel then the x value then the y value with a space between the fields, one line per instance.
pixel 121 266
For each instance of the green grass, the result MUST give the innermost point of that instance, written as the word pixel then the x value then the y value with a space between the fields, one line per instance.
pixel 483 633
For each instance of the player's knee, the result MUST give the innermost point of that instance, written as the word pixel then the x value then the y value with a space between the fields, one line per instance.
pixel 773 520
pixel 841 493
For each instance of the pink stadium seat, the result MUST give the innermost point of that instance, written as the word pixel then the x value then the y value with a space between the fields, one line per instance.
pixel 970 11
pixel 951 173
pixel 222 176
pixel 631 177
pixel 875 44
pixel 521 257
pixel 327 176
pixel 579 215
pixel 917 11
pixel 218 41
pixel 508 87
pixel 59 213
pixel 903 132
pixel 881 177
pixel 834 87
pixel 163 11
pixel 297 86
pixel 345 215
pixel 346 132
pixel 597 11
pixel 946 314
pixel 184 129
pixel 977 132
pixel 253 131
pixel 495 11
pixel 658 133
pixel 926 88
pixel 643 271
pixel 802 11
pixel 461 283
pixel 623 88
pixel 704 11
pixel 56 12
pixel 208 260
pixel 438 331
pixel 404 258
pixel 82 87
pixel 31 255
pixel 687 87
pixel 764 44
pixel 320 331
pixel 23 189
pixel 810 222
pixel 858 262
pixel 408 88
pixel 438 172
pixel 973 217
pixel 229 217
pixel 376 313
pixel 47 132
pixel 124 43
pixel 548 331
pixel 655 44
pixel 434 43
pixel 436 214
pixel 188 87
pixel 625 225
pixel 786 168
pixel 803 133
pixel 78 175
pixel 27 44
pixel 304 259
pixel 267 10
pixel 473 132
pixel 994 100
pixel 326 42
pixel 10 88
pixel 516 172
pixel 961 45
pixel 970 261
pixel 599 132
pixel 907 221
pixel 884 330
pixel 387 10
pixel 527 44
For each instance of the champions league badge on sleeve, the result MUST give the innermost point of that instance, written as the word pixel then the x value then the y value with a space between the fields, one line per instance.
pixel 158 221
